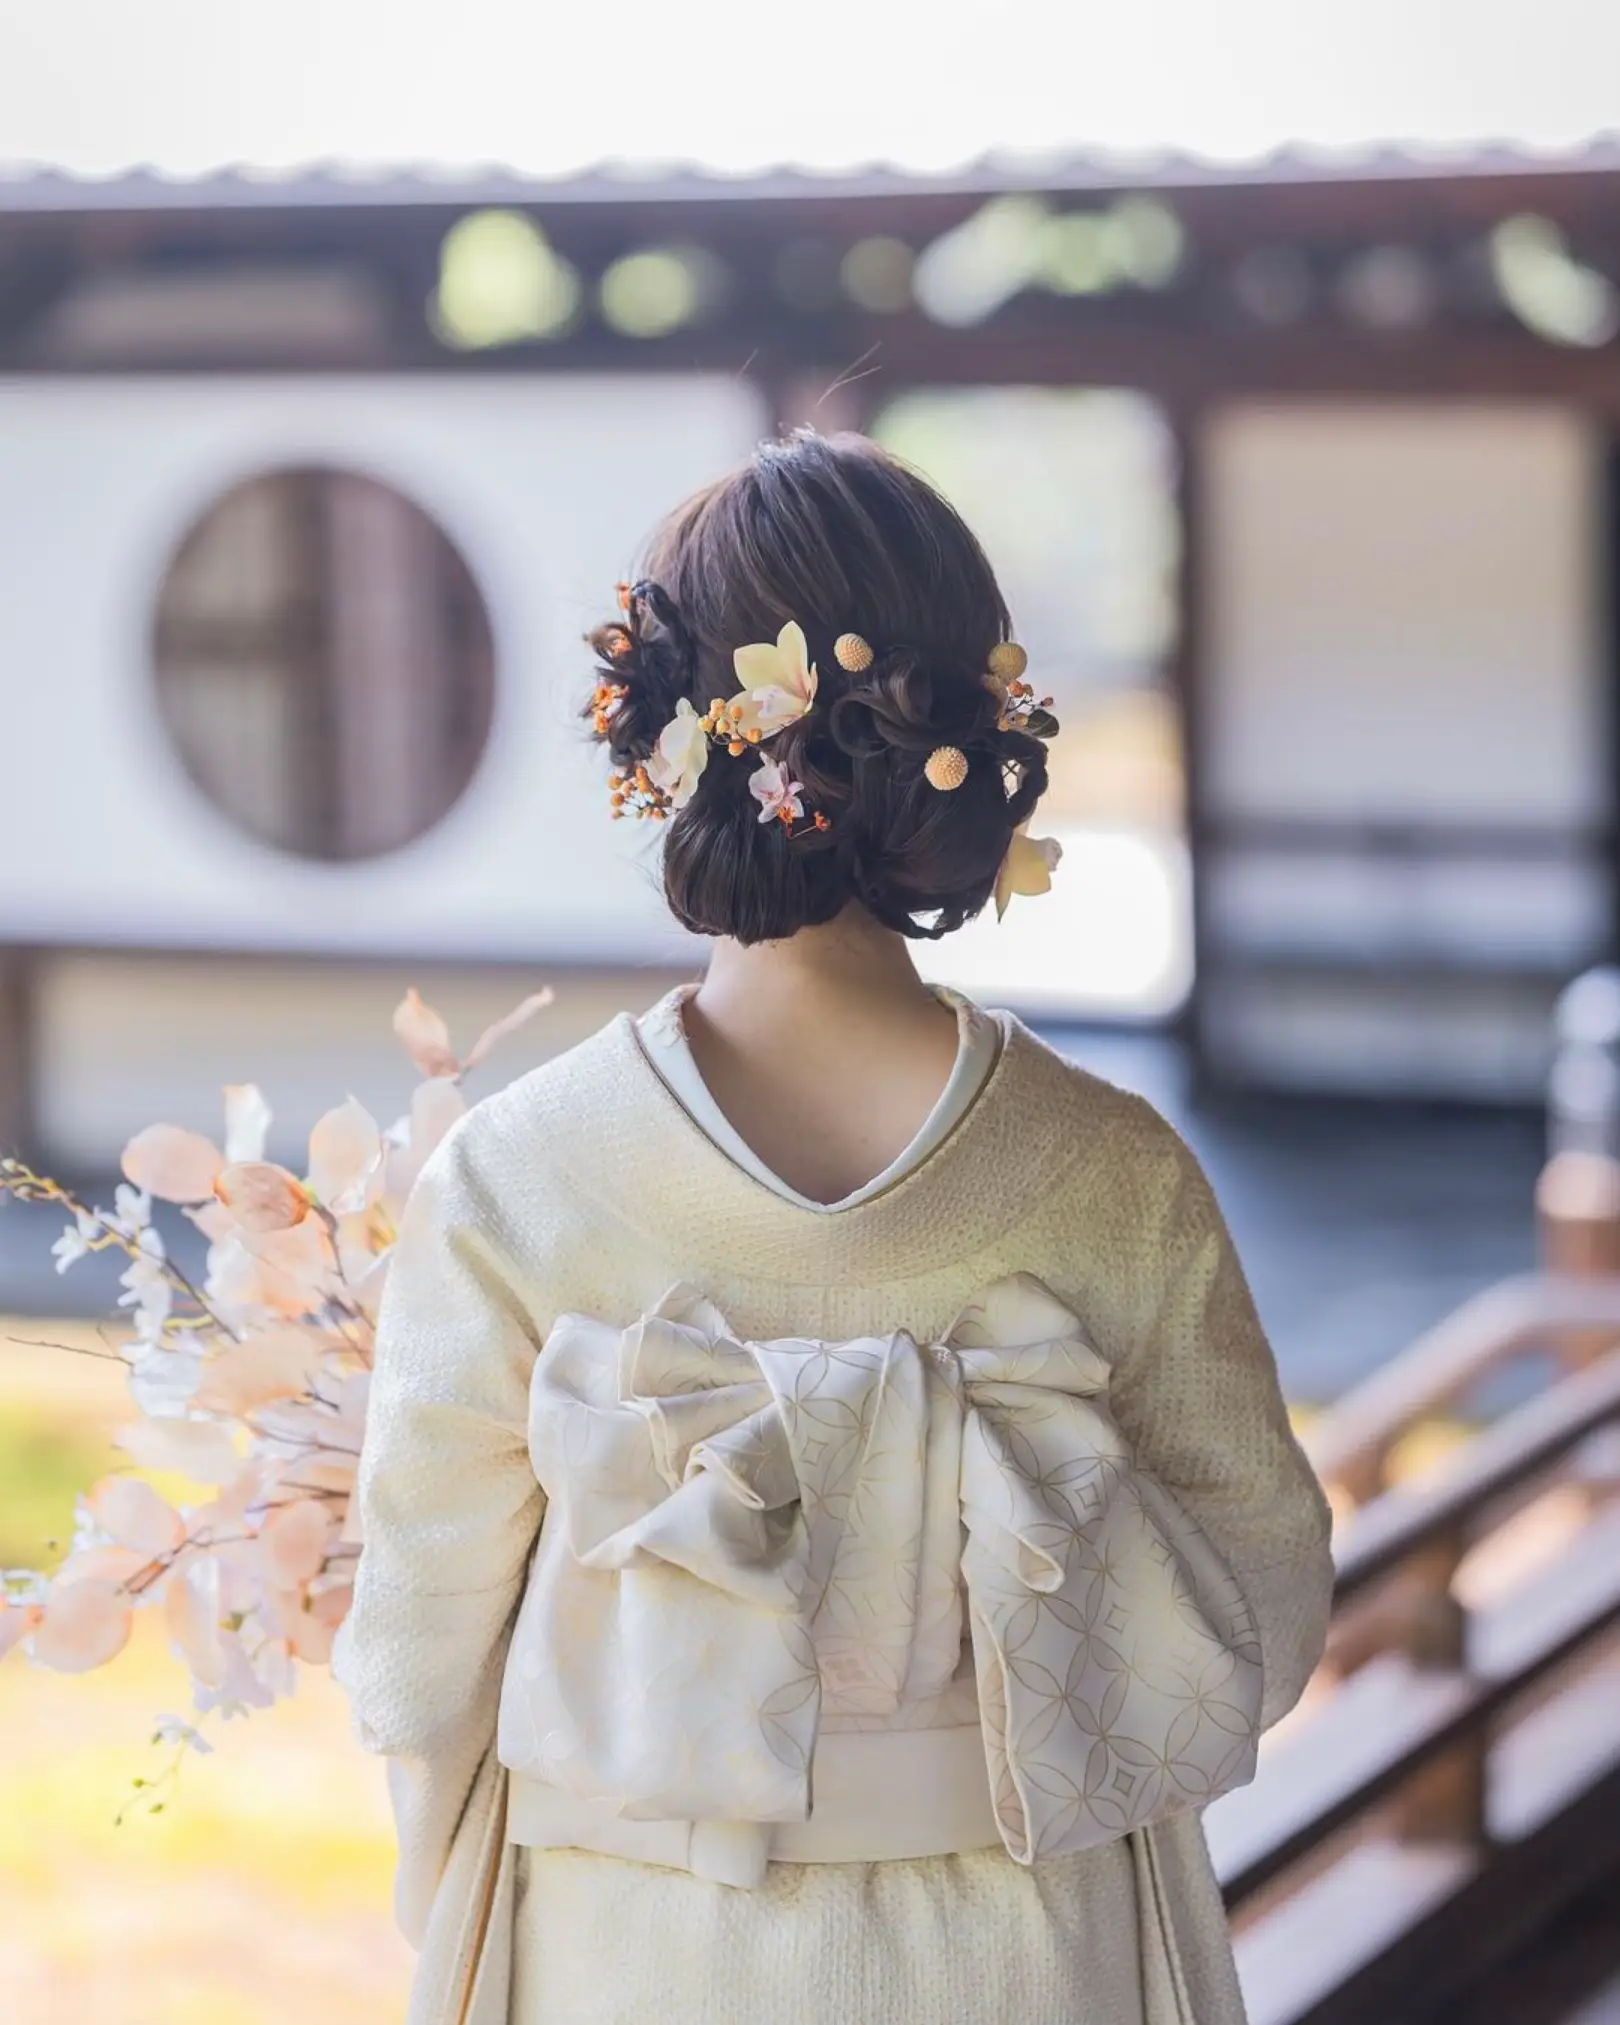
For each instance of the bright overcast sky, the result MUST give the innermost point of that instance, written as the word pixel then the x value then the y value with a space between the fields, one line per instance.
pixel 548 85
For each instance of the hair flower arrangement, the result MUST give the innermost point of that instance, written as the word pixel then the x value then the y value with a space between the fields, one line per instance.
pixel 682 752
pixel 778 684
pixel 1027 868
pixel 778 794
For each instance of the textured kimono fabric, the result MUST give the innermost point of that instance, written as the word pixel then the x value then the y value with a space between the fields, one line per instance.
pixel 959 1938
pixel 585 1188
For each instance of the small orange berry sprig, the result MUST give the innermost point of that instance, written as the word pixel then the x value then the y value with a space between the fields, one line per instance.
pixel 633 792
pixel 814 819
pixel 605 700
pixel 1022 711
pixel 722 721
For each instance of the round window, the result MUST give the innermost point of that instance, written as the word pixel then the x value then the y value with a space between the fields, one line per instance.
pixel 324 663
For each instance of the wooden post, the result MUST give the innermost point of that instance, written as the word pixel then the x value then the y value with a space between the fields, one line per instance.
pixel 1578 1216
pixel 1444 1801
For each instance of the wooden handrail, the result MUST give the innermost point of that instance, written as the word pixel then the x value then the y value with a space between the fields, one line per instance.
pixel 1349 1443
pixel 1456 1709
pixel 1516 1449
pixel 1455 1693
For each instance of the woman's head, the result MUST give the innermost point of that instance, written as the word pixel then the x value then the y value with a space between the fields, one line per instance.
pixel 839 537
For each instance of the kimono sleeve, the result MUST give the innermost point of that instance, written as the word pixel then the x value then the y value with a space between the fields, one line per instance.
pixel 449 1509
pixel 1196 1392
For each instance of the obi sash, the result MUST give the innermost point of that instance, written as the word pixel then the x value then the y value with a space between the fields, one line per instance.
pixel 746 1540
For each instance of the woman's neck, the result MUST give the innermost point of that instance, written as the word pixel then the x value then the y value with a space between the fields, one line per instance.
pixel 852 960
pixel 826 1051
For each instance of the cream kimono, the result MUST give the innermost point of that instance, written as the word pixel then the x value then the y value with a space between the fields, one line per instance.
pixel 996 1456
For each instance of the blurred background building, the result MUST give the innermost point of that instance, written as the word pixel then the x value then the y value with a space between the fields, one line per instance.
pixel 1299 481
pixel 1301 476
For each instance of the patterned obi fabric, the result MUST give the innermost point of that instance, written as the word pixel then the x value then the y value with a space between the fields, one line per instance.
pixel 746 1539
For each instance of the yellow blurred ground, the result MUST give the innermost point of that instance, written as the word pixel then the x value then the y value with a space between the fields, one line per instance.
pixel 260 1895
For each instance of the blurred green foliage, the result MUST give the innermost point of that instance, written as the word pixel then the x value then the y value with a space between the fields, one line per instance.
pixel 44 1464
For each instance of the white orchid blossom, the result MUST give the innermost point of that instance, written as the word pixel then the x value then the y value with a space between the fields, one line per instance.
pixel 681 754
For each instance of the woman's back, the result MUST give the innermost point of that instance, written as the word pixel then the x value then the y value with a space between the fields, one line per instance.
pixel 830 1516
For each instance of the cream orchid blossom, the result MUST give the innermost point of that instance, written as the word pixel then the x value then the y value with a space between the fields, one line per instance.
pixel 1027 867
pixel 778 683
pixel 681 754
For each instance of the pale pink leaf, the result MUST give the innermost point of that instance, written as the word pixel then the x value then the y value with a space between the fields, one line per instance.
pixel 297 1272
pixel 327 1469
pixel 368 1290
pixel 213 1219
pixel 199 1449
pixel 329 1599
pixel 353 1397
pixel 17 1620
pixel 85 1625
pixel 135 1516
pixel 191 1612
pixel 295 1539
pixel 247 1122
pixel 221 1513
pixel 345 1158
pixel 261 1197
pixel 275 1364
pixel 312 1638
pixel 288 1271
pixel 425 1036
pixel 435 1107
pixel 172 1164
pixel 519 1016
pixel 102 1564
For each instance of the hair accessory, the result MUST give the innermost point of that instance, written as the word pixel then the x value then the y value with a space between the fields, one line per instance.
pixel 852 653
pixel 1027 867
pixel 1007 661
pixel 634 792
pixel 778 683
pixel 777 793
pixel 1021 711
pixel 605 699
pixel 946 767
pixel 677 761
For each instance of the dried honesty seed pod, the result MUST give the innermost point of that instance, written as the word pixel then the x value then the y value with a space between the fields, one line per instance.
pixel 852 653
pixel 946 767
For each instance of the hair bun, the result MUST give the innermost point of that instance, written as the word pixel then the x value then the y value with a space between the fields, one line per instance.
pixel 831 535
pixel 905 704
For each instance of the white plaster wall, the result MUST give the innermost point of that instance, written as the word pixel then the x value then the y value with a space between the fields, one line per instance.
pixel 124 1039
pixel 1404 627
pixel 547 485
pixel 1403 614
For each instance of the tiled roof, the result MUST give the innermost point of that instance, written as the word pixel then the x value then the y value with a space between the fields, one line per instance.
pixel 29 187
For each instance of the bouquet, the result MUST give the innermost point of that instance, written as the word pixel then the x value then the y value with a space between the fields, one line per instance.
pixel 249 1383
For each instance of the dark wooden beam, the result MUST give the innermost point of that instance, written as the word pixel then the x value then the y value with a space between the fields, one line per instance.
pixel 17 1116
pixel 1187 673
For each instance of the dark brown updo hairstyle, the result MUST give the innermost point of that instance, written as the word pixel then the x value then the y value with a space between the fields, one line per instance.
pixel 835 533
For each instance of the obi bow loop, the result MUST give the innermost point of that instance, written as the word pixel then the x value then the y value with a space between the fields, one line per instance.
pixel 756 1535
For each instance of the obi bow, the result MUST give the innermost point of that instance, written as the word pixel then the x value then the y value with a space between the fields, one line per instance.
pixel 745 1537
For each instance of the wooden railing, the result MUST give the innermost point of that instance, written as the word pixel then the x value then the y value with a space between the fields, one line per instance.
pixel 1457 1765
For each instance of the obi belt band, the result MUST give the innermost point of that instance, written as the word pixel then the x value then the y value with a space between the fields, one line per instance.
pixel 745 1540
